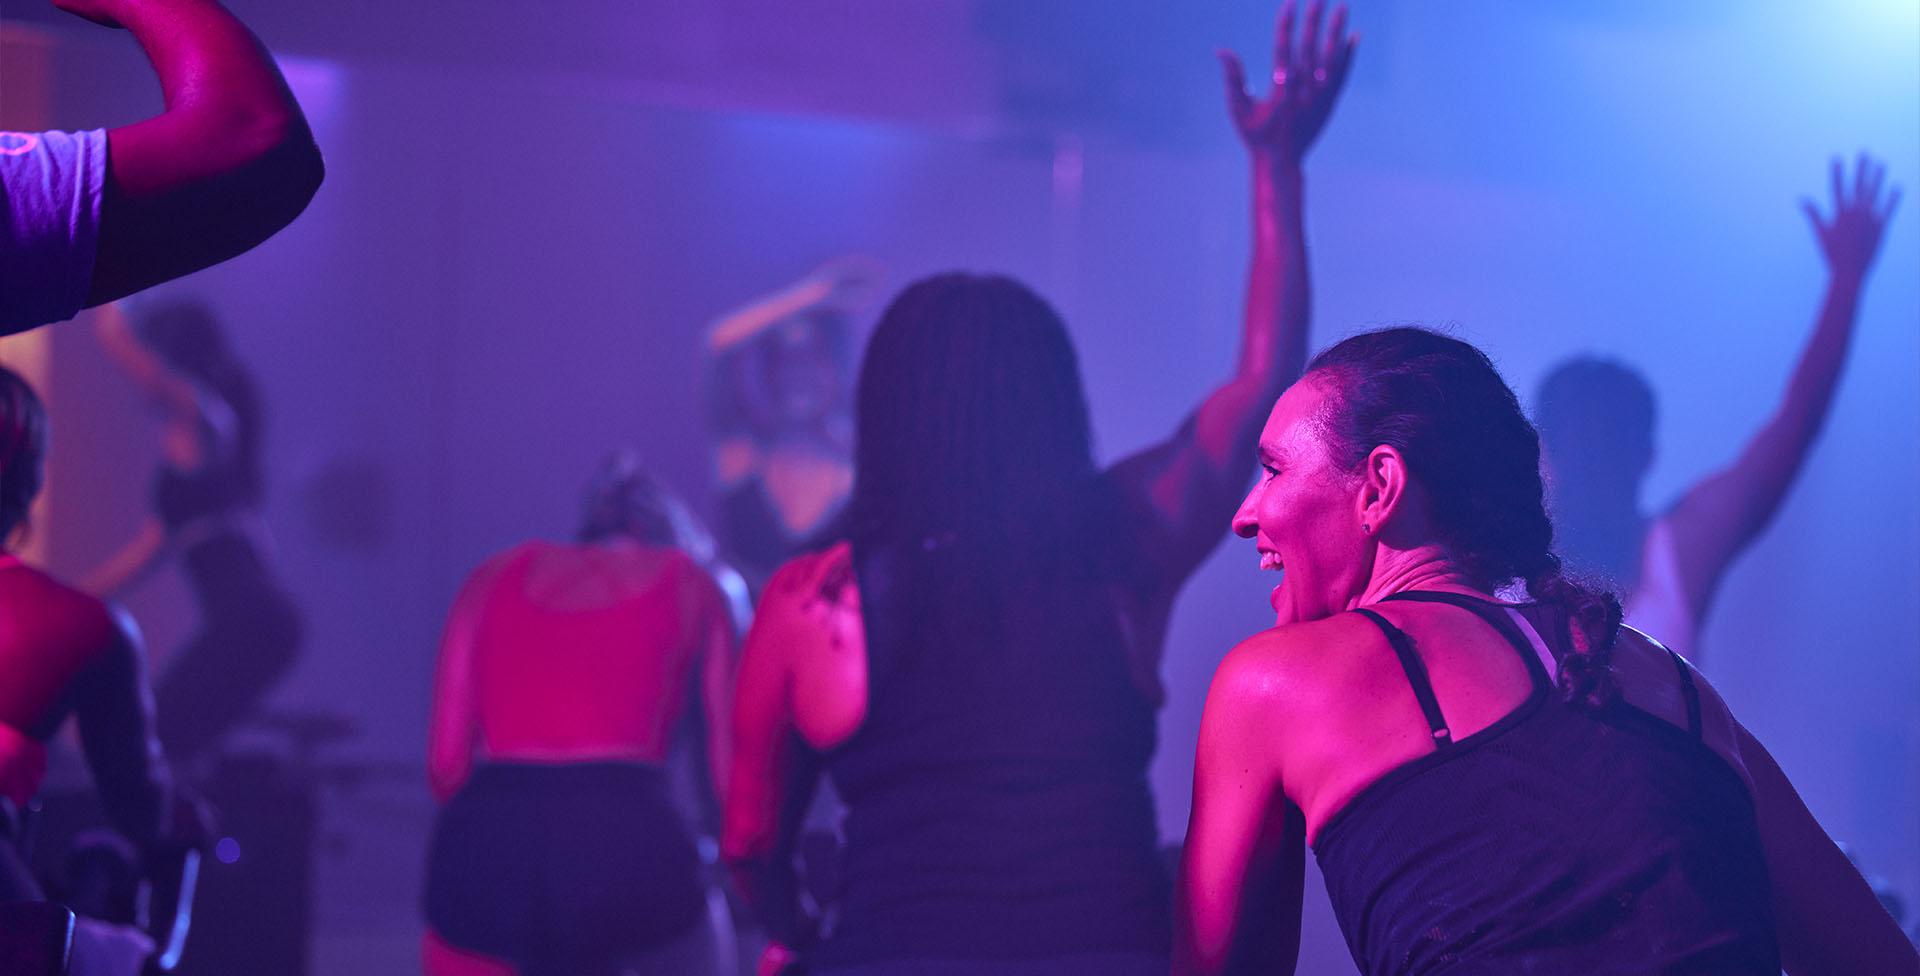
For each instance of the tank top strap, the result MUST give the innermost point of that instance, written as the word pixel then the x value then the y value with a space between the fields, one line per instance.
pixel 1497 616
pixel 1416 677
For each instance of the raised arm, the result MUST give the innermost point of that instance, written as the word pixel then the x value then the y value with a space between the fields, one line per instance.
pixel 836 283
pixel 1188 486
pixel 143 366
pixel 226 165
pixel 1719 517
pixel 129 564
pixel 1238 905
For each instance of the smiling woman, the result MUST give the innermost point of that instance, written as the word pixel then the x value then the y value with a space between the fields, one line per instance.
pixel 1489 785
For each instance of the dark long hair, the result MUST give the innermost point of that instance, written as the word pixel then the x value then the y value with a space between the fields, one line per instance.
pixel 188 338
pixel 1441 403
pixel 971 419
pixel 23 451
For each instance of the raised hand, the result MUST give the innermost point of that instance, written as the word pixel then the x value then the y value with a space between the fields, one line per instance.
pixel 1307 78
pixel 1851 237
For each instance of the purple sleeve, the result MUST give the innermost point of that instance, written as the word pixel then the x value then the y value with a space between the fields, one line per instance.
pixel 50 189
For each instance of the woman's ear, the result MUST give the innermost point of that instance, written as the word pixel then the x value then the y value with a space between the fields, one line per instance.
pixel 1384 489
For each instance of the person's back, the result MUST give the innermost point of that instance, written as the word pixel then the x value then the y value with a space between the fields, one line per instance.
pixel 997 798
pixel 563 675
pixel 1536 835
pixel 587 650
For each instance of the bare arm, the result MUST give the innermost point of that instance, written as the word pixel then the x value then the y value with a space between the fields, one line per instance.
pixel 1188 485
pixel 774 772
pixel 456 717
pixel 832 284
pixel 130 564
pixel 1827 918
pixel 141 365
pixel 1238 908
pixel 225 166
pixel 1718 518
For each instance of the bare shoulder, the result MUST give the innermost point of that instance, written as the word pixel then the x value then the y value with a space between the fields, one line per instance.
pixel 1290 667
pixel 808 574
pixel 59 611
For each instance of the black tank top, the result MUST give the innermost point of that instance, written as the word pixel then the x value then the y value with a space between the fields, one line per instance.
pixel 997 799
pixel 1557 840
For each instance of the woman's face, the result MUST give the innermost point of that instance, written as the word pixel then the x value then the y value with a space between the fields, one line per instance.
pixel 805 381
pixel 1303 513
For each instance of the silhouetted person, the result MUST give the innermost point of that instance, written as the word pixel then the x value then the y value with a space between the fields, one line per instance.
pixel 782 415
pixel 1596 421
pixel 206 513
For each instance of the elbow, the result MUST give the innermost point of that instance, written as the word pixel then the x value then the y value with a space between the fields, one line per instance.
pixel 272 151
pixel 292 169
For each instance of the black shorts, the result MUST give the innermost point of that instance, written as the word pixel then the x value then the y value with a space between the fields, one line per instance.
pixel 562 865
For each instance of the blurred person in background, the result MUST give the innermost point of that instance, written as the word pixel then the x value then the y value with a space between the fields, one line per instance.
pixel 66 653
pixel 1596 420
pixel 782 414
pixel 564 674
pixel 976 666
pixel 206 512
pixel 90 217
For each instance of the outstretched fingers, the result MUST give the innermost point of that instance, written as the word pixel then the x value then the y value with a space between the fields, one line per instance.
pixel 1819 223
pixel 1283 44
pixel 1239 103
pixel 1336 47
pixel 1310 51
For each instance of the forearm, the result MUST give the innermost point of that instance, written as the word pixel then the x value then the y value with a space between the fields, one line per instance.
pixel 124 568
pixel 1273 346
pixel 748 322
pixel 1780 449
pixel 1817 375
pixel 771 888
pixel 224 96
pixel 765 818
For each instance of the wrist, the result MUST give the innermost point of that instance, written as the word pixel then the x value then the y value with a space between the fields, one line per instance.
pixel 1276 166
pixel 1278 195
pixel 1846 281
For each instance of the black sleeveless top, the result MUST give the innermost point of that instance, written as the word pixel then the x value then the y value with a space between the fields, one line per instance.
pixel 1557 840
pixel 997 798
